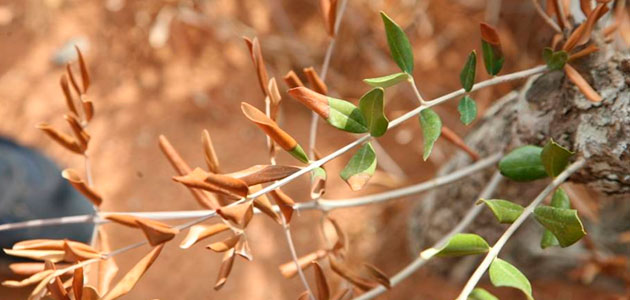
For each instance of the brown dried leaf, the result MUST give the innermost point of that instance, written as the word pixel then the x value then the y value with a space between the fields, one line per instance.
pixel 317 84
pixel 239 214
pixel 304 296
pixel 311 99
pixel 341 235
pixel 52 255
pixel 156 232
pixel 182 168
pixel 259 63
pixel 343 294
pixel 88 109
pixel 243 250
pixel 553 6
pixel 107 268
pixel 490 34
pixel 131 278
pixel 378 275
pixel 90 293
pixel 82 137
pixel 200 232
pixel 329 11
pixel 49 244
pixel 345 272
pixel 74 254
pixel 457 141
pixel 63 82
pixel 581 84
pixel 289 269
pixel 582 33
pixel 225 244
pixel 35 278
pixel 292 80
pixel 75 180
pixel 209 154
pixel 284 202
pixel 584 52
pixel 77 283
pixel 56 289
pixel 126 220
pixel 323 290
pixel 281 137
pixel 274 97
pixel 216 183
pixel 586 7
pixel 263 173
pixel 75 86
pixel 263 204
pixel 85 76
pixel 29 268
pixel 61 138
pixel 226 268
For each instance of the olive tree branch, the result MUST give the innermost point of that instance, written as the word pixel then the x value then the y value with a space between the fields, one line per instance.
pixel 494 251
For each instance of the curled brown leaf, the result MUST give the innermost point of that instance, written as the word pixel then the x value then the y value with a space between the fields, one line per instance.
pixel 225 269
pixel 209 154
pixel 107 268
pixel 156 232
pixel 311 99
pixel 323 290
pixel 263 173
pixel 289 269
pixel 200 232
pixel 225 244
pixel 284 202
pixel 259 63
pixel 77 182
pixel 133 276
pixel 239 214
pixel 377 275
pixel 582 84
pixel 292 80
pixel 278 135
pixel 61 138
pixel 317 84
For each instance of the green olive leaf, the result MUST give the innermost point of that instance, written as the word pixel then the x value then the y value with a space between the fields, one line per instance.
pixel 492 57
pixel 523 164
pixel 555 60
pixel 502 273
pixel 387 81
pixel 505 211
pixel 467 110
pixel 360 168
pixel 345 116
pixel 371 105
pixel 555 158
pixel 467 76
pixel 399 45
pixel 431 129
pixel 560 199
pixel 564 223
pixel 481 294
pixel 464 244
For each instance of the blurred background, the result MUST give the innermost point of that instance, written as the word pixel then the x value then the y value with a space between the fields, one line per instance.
pixel 178 67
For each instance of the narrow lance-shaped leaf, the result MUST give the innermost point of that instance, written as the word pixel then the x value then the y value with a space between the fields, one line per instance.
pixel 339 113
pixel 387 81
pixel 555 60
pixel 505 211
pixel 560 199
pixel 259 63
pixel 467 76
pixel 431 129
pixel 399 45
pixel 371 105
pixel 467 110
pixel 263 173
pixel 502 273
pixel 316 83
pixel 210 154
pixel 523 164
pixel 225 269
pixel 581 84
pixel 323 290
pixel 491 47
pixel 481 294
pixel 133 276
pixel 274 131
pixel 289 269
pixel 360 168
pixel 200 232
pixel 464 244
pixel 555 158
pixel 75 180
pixel 562 222
pixel 215 183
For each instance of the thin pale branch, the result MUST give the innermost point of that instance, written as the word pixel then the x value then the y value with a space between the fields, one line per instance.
pixel 545 17
pixel 494 251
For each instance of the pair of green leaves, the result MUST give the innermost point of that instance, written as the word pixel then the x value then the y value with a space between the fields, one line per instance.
pixel 529 162
pixel 555 60
pixel 467 107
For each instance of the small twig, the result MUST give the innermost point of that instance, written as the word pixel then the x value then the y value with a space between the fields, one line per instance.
pixel 545 17
pixel 494 251
pixel 427 254
pixel 294 256
pixel 412 81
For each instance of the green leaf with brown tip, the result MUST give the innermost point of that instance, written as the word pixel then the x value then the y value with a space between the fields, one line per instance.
pixel 467 76
pixel 360 168
pixel 399 45
pixel 371 105
pixel 345 116
pixel 387 81
pixel 555 158
pixel 431 129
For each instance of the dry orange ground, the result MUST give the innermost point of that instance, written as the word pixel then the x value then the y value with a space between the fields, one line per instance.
pixel 197 80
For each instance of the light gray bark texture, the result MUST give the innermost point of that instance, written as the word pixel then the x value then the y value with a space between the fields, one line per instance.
pixel 549 106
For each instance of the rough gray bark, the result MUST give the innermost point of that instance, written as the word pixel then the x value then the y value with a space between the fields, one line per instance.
pixel 549 106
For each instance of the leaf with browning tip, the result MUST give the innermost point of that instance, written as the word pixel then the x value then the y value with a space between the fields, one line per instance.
pixel 133 276
pixel 323 290
pixel 85 76
pixel 289 269
pixel 225 244
pixel 360 168
pixel 77 283
pixel 33 279
pixel 263 173
pixel 226 267
pixel 491 48
pixel 467 76
pixel 316 83
pixel 555 158
pixel 239 214
pixel 431 129
pixel 209 154
pixel 372 108
pixel 77 182
pixel 61 138
pixel 200 232
pixel 281 137
pixel 156 232
pixel 387 81
pixel 378 275
pixel 216 183
pixel 284 202
pixel 107 268
pixel 399 45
